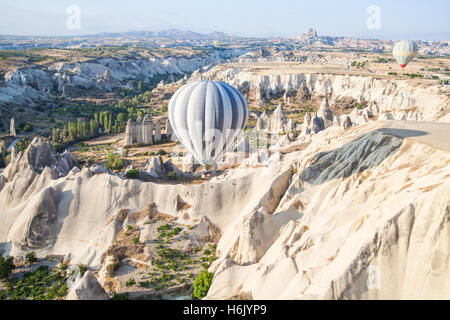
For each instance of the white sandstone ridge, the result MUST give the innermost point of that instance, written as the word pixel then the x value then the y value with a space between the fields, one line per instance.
pixel 366 215
pixel 75 214
pixel 30 85
pixel 361 212
pixel 399 99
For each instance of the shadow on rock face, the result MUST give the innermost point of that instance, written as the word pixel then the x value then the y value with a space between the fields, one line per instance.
pixel 367 151
pixel 404 133
pixel 42 229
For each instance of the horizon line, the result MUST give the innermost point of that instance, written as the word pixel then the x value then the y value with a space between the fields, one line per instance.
pixel 361 37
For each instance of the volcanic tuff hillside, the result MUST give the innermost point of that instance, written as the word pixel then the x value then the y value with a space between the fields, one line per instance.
pixel 311 226
pixel 33 85
pixel 358 209
pixel 362 200
pixel 395 99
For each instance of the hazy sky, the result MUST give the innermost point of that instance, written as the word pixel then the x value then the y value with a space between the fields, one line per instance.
pixel 409 19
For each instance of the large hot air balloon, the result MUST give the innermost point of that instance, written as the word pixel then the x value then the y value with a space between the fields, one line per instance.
pixel 404 51
pixel 207 117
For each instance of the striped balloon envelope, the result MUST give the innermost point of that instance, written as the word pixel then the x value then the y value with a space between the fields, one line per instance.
pixel 404 51
pixel 208 117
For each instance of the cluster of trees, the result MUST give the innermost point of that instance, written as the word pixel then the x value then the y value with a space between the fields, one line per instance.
pixel 133 100
pixel 102 122
pixel 383 60
pixel 6 266
pixel 358 64
pixel 414 75
pixel 114 162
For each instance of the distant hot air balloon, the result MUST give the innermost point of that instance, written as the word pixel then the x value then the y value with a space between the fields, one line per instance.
pixel 404 51
pixel 207 117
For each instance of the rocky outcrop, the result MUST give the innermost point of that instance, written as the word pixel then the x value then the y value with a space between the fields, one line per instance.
pixel 169 132
pixel 13 154
pixel 139 131
pixel 255 234
pixel 325 113
pixel 33 85
pixel 277 120
pixel 38 155
pixel 87 287
pixel 157 168
pixel 157 135
pixel 424 102
pixel 360 227
pixel 188 164
pixel 356 213
pixel 147 130
pixel 244 146
pixel 276 123
pixel 12 128
pixel 324 118
pixel 262 121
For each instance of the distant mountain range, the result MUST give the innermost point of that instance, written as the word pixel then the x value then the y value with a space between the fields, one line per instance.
pixel 172 34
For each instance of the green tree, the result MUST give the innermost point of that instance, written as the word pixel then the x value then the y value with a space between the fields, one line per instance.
pixel 31 257
pixel 139 86
pixel 83 268
pixel 64 133
pixel 105 122
pixel 121 118
pixel 132 174
pixel 110 123
pixel 92 128
pixel 79 132
pixel 6 266
pixel 27 128
pixel 3 147
pixel 202 284
pixel 172 175
pixel 114 162
pixel 54 139
pixel 130 282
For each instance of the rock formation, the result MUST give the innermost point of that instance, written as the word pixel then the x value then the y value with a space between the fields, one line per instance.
pixel 347 122
pixel 277 120
pixel 140 131
pixel 343 205
pixel 39 154
pixel 244 146
pixel 380 264
pixel 262 121
pixel 276 123
pixel 169 131
pixel 147 130
pixel 188 164
pixel 13 155
pixel 400 98
pixel 157 168
pixel 157 136
pixel 87 288
pixel 12 128
pixel 325 113
pixel 317 124
pixel 29 86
